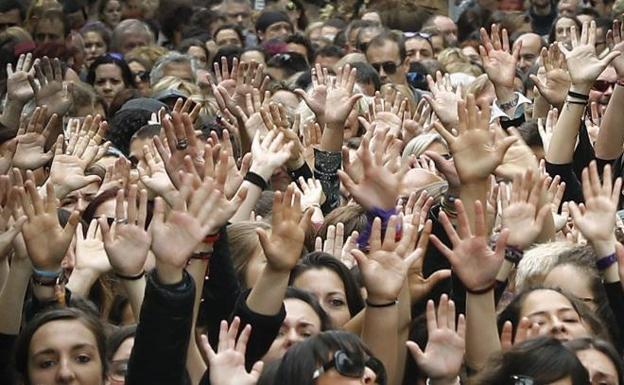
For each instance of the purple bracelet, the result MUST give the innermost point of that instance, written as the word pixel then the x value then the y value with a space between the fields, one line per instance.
pixel 605 262
pixel 385 215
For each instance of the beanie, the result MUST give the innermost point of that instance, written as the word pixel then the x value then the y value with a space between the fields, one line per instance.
pixel 267 18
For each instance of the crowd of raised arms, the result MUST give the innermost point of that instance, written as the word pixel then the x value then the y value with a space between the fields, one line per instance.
pixel 311 192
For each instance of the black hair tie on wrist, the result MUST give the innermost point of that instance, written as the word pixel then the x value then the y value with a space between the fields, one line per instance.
pixel 387 304
pixel 578 96
pixel 256 179
pixel 131 277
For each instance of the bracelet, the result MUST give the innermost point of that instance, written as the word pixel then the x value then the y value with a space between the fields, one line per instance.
pixel 482 291
pixel 202 255
pixel 579 96
pixel 211 238
pixel 606 262
pixel 131 277
pixel 256 179
pixel 513 254
pixel 578 102
pixel 58 279
pixel 387 304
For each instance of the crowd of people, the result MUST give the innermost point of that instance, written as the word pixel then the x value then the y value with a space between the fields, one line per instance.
pixel 298 192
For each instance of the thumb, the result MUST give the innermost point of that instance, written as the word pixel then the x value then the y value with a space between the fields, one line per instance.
pixel 415 350
pixel 609 58
pixel 304 95
pixel 436 278
pixel 536 80
pixel 17 226
pixel 265 243
pixel 70 227
pixel 503 145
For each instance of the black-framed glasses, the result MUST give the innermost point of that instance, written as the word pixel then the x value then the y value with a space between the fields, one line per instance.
pixel 143 75
pixel 352 367
pixel 602 85
pixel 389 67
pixel 521 380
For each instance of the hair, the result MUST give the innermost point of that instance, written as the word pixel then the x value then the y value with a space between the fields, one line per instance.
pixel 470 20
pixel 53 14
pixel 299 39
pixel 553 29
pixel 289 62
pixel 418 145
pixel 603 347
pixel 91 322
pixel 301 360
pixel 126 73
pixel 99 28
pixel 83 96
pixel 352 216
pixel 123 125
pixel 175 83
pixel 146 55
pixel 543 359
pixel 329 51
pixel 147 132
pixel 530 133
pixel 320 260
pixel 243 243
pixel 229 52
pixel 158 71
pixel 310 299
pixel 89 213
pixel 366 74
pixel 130 26
pixel 390 36
pixel 102 7
pixel 172 16
pixel 233 27
pixel 9 5
pixel 117 338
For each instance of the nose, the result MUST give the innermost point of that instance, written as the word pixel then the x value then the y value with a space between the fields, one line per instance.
pixel 108 86
pixel 292 338
pixel 65 373
pixel 417 56
pixel 239 19
pixel 369 377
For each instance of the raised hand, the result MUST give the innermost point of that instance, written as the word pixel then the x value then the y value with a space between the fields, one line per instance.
pixel 523 215
pixel 518 159
pixel 269 153
pixel 546 128
pixel 49 88
pixel 444 355
pixel 417 209
pixel 552 79
pixel 525 330
pixel 46 241
pixel 288 227
pixel 227 365
pixel 471 257
pixel 249 77
pixel 317 96
pixel 90 254
pixel 384 269
pixel 475 152
pixel 597 221
pixel 498 60
pixel 379 186
pixel 311 192
pixel 187 107
pixel 155 177
pixel 445 99
pixel 583 63
pixel 127 242
pixel 235 173
pixel 340 99
pixel 616 43
pixel 31 138
pixel 333 241
pixel 18 86
pixel 8 229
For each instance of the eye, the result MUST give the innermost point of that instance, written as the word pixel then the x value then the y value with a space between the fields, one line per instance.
pixel 83 359
pixel 45 364
pixel 336 302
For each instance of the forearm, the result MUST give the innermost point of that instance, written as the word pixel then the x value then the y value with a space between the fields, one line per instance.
pixel 481 330
pixel 563 141
pixel 135 290
pixel 268 293
pixel 4 273
pixel 610 137
pixel 540 107
pixel 470 193
pixel 379 333
pixel 332 138
pixel 604 249
pixel 195 364
pixel 244 211
pixel 12 298
pixel 405 318
pixel 81 281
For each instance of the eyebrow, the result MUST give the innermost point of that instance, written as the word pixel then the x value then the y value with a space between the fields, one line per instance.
pixel 73 348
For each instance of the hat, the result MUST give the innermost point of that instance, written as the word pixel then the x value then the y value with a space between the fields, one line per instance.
pixel 267 18
pixel 144 104
pixel 170 93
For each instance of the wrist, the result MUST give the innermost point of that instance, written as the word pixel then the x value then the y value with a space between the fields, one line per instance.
pixel 381 299
pixel 581 88
pixel 503 93
pixel 168 274
pixel 603 248
pixel 295 164
pixel 262 170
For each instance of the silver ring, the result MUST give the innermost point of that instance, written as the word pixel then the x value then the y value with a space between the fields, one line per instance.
pixel 121 221
pixel 182 144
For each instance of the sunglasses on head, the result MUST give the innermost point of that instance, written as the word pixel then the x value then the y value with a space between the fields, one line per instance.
pixel 389 67
pixel 602 85
pixel 422 35
pixel 352 367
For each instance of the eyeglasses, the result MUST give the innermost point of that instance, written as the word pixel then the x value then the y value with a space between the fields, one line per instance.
pixel 602 85
pixel 143 75
pixel 389 67
pixel 352 367
pixel 521 380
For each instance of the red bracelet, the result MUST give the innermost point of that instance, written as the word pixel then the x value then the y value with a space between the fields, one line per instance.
pixel 211 238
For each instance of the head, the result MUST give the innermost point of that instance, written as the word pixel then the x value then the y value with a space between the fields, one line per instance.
pixel 50 28
pixel 284 65
pixel 97 39
pixel 300 44
pixel 600 358
pixel 173 64
pixel 532 44
pixel 229 34
pixel 173 16
pixel 446 26
pixel 273 25
pixel 561 30
pixel 386 53
pixel 333 357
pixel 143 137
pixel 331 283
pixel 65 345
pixel 418 47
pixel 568 7
pixel 197 50
pixel 247 255
pixel 250 54
pixel 129 34
pixel 237 12
pixel 367 78
pixel 12 14
pixel 543 361
pixel 304 318
pixel 108 75
pixel 603 87
pixel 110 12
pixel 120 344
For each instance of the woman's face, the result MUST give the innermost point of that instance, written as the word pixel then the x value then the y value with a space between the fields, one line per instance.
pixel 119 362
pixel 112 13
pixel 563 31
pixel 108 81
pixel 141 77
pixel 332 377
pixel 601 369
pixel 329 289
pixel 300 323
pixel 64 352
pixel 94 46
pixel 554 314
pixel 572 280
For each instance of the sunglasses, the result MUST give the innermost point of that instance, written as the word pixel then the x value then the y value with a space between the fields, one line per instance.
pixel 602 85
pixel 389 67
pixel 352 367
pixel 143 75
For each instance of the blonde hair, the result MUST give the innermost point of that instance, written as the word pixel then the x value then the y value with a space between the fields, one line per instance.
pixel 538 262
pixel 477 86
pixel 146 55
pixel 243 243
pixel 173 82
pixel 418 145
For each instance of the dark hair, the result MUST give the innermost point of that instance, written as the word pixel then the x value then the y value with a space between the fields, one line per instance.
pixel 173 15
pixel 89 213
pixel 52 14
pixel 117 338
pixel 544 360
pixel 289 62
pixel 589 12
pixel 99 28
pixel 234 28
pixel 123 125
pixel 91 322
pixel 366 74
pixel 301 360
pixel 9 5
pixel 126 73
pixel 119 304
pixel 470 20
pixel 229 52
pixel 121 98
pixel 530 133
pixel 329 51
pixel 553 29
pixel 386 36
pixel 603 347
pixel 320 260
pixel 302 295
pixel 299 39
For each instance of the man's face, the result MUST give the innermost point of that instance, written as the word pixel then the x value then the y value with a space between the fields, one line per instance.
pixel 387 61
pixel 49 31
pixel 530 50
pixel 228 37
pixel 418 49
pixel 567 7
pixel 239 14
pixel 182 71
pixel 279 30
pixel 10 18
pixel 130 41
pixel 603 86
pixel 447 27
